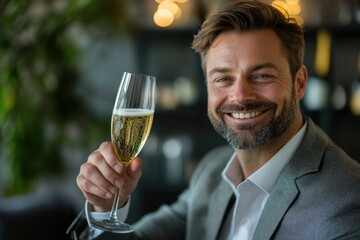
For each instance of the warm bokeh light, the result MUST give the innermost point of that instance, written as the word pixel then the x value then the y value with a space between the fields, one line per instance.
pixel 292 1
pixel 355 99
pixel 173 7
pixel 282 10
pixel 322 54
pixel 178 14
pixel 279 4
pixel 289 8
pixel 299 20
pixel 294 9
pixel 163 17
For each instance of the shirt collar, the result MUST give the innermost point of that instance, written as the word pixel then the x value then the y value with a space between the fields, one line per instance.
pixel 266 176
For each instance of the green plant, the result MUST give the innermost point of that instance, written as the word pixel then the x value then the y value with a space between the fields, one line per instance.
pixel 38 75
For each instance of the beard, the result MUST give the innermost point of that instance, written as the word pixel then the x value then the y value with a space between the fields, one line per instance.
pixel 250 136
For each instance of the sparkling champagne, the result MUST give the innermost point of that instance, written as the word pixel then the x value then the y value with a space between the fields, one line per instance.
pixel 129 131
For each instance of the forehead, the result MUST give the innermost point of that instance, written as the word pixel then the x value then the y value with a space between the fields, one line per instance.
pixel 245 48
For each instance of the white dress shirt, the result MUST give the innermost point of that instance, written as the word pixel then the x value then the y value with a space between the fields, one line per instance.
pixel 252 193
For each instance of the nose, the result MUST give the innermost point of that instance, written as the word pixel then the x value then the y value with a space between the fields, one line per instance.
pixel 242 91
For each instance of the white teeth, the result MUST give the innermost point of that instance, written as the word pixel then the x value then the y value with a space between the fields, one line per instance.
pixel 245 115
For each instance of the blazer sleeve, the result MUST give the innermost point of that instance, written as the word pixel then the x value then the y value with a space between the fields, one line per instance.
pixel 171 221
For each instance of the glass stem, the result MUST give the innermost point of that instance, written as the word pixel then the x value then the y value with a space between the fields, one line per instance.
pixel 113 213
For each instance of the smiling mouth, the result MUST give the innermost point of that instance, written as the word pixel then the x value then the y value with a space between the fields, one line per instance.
pixel 246 115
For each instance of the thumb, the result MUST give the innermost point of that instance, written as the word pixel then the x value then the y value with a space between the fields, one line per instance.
pixel 133 170
pixel 132 176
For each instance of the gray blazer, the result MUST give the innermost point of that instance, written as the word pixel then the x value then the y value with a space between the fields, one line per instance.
pixel 317 196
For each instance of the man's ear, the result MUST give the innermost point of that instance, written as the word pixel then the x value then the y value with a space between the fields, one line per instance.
pixel 300 82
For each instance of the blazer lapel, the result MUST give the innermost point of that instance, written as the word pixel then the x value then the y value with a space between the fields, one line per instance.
pixel 305 160
pixel 279 201
pixel 217 208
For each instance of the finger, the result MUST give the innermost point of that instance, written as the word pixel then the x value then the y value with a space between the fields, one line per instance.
pixel 99 161
pixel 107 151
pixel 87 187
pixel 135 164
pixel 99 204
pixel 94 177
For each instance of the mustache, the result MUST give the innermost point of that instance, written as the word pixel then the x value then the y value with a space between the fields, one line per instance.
pixel 253 106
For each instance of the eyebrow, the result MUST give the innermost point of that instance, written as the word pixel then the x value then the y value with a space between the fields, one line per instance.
pixel 219 70
pixel 252 68
pixel 264 65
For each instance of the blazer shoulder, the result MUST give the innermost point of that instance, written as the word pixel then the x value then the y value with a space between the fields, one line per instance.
pixel 213 162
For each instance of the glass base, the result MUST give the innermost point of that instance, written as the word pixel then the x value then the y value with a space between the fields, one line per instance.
pixel 112 226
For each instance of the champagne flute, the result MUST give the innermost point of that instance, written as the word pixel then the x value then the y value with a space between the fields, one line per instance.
pixel 130 126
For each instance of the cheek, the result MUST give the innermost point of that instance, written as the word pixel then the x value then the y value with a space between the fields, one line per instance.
pixel 281 97
pixel 215 98
pixel 285 103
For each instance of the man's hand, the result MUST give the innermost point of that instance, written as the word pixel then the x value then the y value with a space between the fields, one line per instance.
pixel 102 175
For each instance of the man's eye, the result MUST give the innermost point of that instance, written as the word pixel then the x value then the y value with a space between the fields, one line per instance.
pixel 260 76
pixel 221 79
pixel 263 78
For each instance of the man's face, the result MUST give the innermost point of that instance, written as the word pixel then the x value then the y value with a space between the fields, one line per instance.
pixel 252 99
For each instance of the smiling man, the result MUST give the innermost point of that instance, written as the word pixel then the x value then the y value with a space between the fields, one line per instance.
pixel 252 100
pixel 280 178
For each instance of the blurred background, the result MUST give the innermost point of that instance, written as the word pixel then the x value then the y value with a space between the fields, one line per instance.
pixel 60 66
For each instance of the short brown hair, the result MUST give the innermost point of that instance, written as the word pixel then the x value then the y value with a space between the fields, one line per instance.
pixel 243 16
